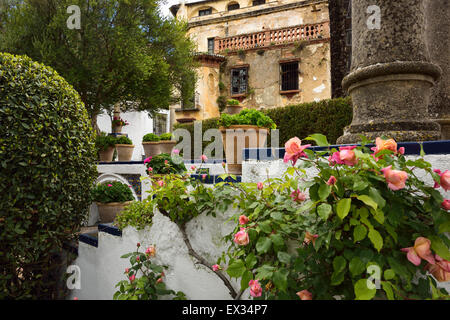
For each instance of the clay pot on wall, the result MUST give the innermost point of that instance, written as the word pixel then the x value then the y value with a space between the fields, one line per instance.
pixel 233 109
pixel 237 137
pixel 151 148
pixel 108 211
pixel 106 155
pixel 124 151
pixel 166 146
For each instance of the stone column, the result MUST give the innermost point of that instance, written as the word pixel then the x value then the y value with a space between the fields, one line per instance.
pixel 438 42
pixel 391 76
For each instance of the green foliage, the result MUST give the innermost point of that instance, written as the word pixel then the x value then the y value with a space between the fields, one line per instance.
pixel 222 86
pixel 150 137
pixel 232 102
pixel 123 140
pixel 137 214
pixel 328 117
pixel 360 224
pixel 47 160
pixel 222 103
pixel 247 117
pixel 103 141
pixel 111 191
pixel 150 285
pixel 124 51
pixel 166 136
pixel 163 163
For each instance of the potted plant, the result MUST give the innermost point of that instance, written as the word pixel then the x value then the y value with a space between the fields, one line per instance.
pixel 150 142
pixel 125 148
pixel 166 143
pixel 105 145
pixel 233 106
pixel 163 164
pixel 250 127
pixel 111 197
pixel 117 124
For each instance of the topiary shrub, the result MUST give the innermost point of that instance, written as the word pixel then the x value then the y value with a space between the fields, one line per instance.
pixel 47 160
pixel 111 191
pixel 166 136
pixel 150 137
pixel 123 140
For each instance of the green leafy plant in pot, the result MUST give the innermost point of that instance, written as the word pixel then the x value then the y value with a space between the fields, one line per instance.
pixel 105 146
pixel 250 127
pixel 117 124
pixel 151 145
pixel 111 197
pixel 166 143
pixel 163 164
pixel 125 148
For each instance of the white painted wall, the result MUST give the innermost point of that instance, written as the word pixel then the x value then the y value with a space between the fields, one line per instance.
pixel 139 125
pixel 102 268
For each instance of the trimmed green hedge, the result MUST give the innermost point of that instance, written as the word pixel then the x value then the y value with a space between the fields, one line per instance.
pixel 48 166
pixel 328 117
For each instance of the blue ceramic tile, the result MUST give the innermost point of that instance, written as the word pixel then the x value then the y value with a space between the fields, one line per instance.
pixel 88 239
pixel 109 228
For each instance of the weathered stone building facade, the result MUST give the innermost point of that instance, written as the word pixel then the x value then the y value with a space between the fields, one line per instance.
pixel 264 53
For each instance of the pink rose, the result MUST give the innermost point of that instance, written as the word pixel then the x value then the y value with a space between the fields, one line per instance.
pixel 421 250
pixel 345 155
pixel 193 167
pixel 175 151
pixel 204 158
pixel 381 144
pixel 446 204
pixel 331 181
pixel 445 180
pixel 224 164
pixel 166 162
pixel 304 295
pixel 260 185
pixel 160 183
pixel 255 288
pixel 138 258
pixel 243 220
pixel 203 176
pixel 294 150
pixel 127 270
pixel 147 160
pixel 396 179
pixel 241 238
pixel 75 298
pixel 401 150
pixel 151 251
pixel 216 267
pixel 159 280
pixel 298 196
pixel 109 185
pixel 440 270
pixel 132 278
pixel 150 169
pixel 138 244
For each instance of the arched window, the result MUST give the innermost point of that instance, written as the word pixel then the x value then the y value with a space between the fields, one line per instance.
pixel 233 6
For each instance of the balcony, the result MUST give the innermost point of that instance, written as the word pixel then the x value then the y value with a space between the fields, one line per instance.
pixel 306 32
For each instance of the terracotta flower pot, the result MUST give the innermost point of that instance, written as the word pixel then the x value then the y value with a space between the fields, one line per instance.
pixel 124 151
pixel 233 109
pixel 106 155
pixel 151 148
pixel 241 136
pixel 108 211
pixel 117 129
pixel 166 146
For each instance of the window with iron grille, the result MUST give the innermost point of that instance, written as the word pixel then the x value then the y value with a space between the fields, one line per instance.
pixel 289 76
pixel 233 6
pixel 239 78
pixel 204 12
pixel 258 2
pixel 211 45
